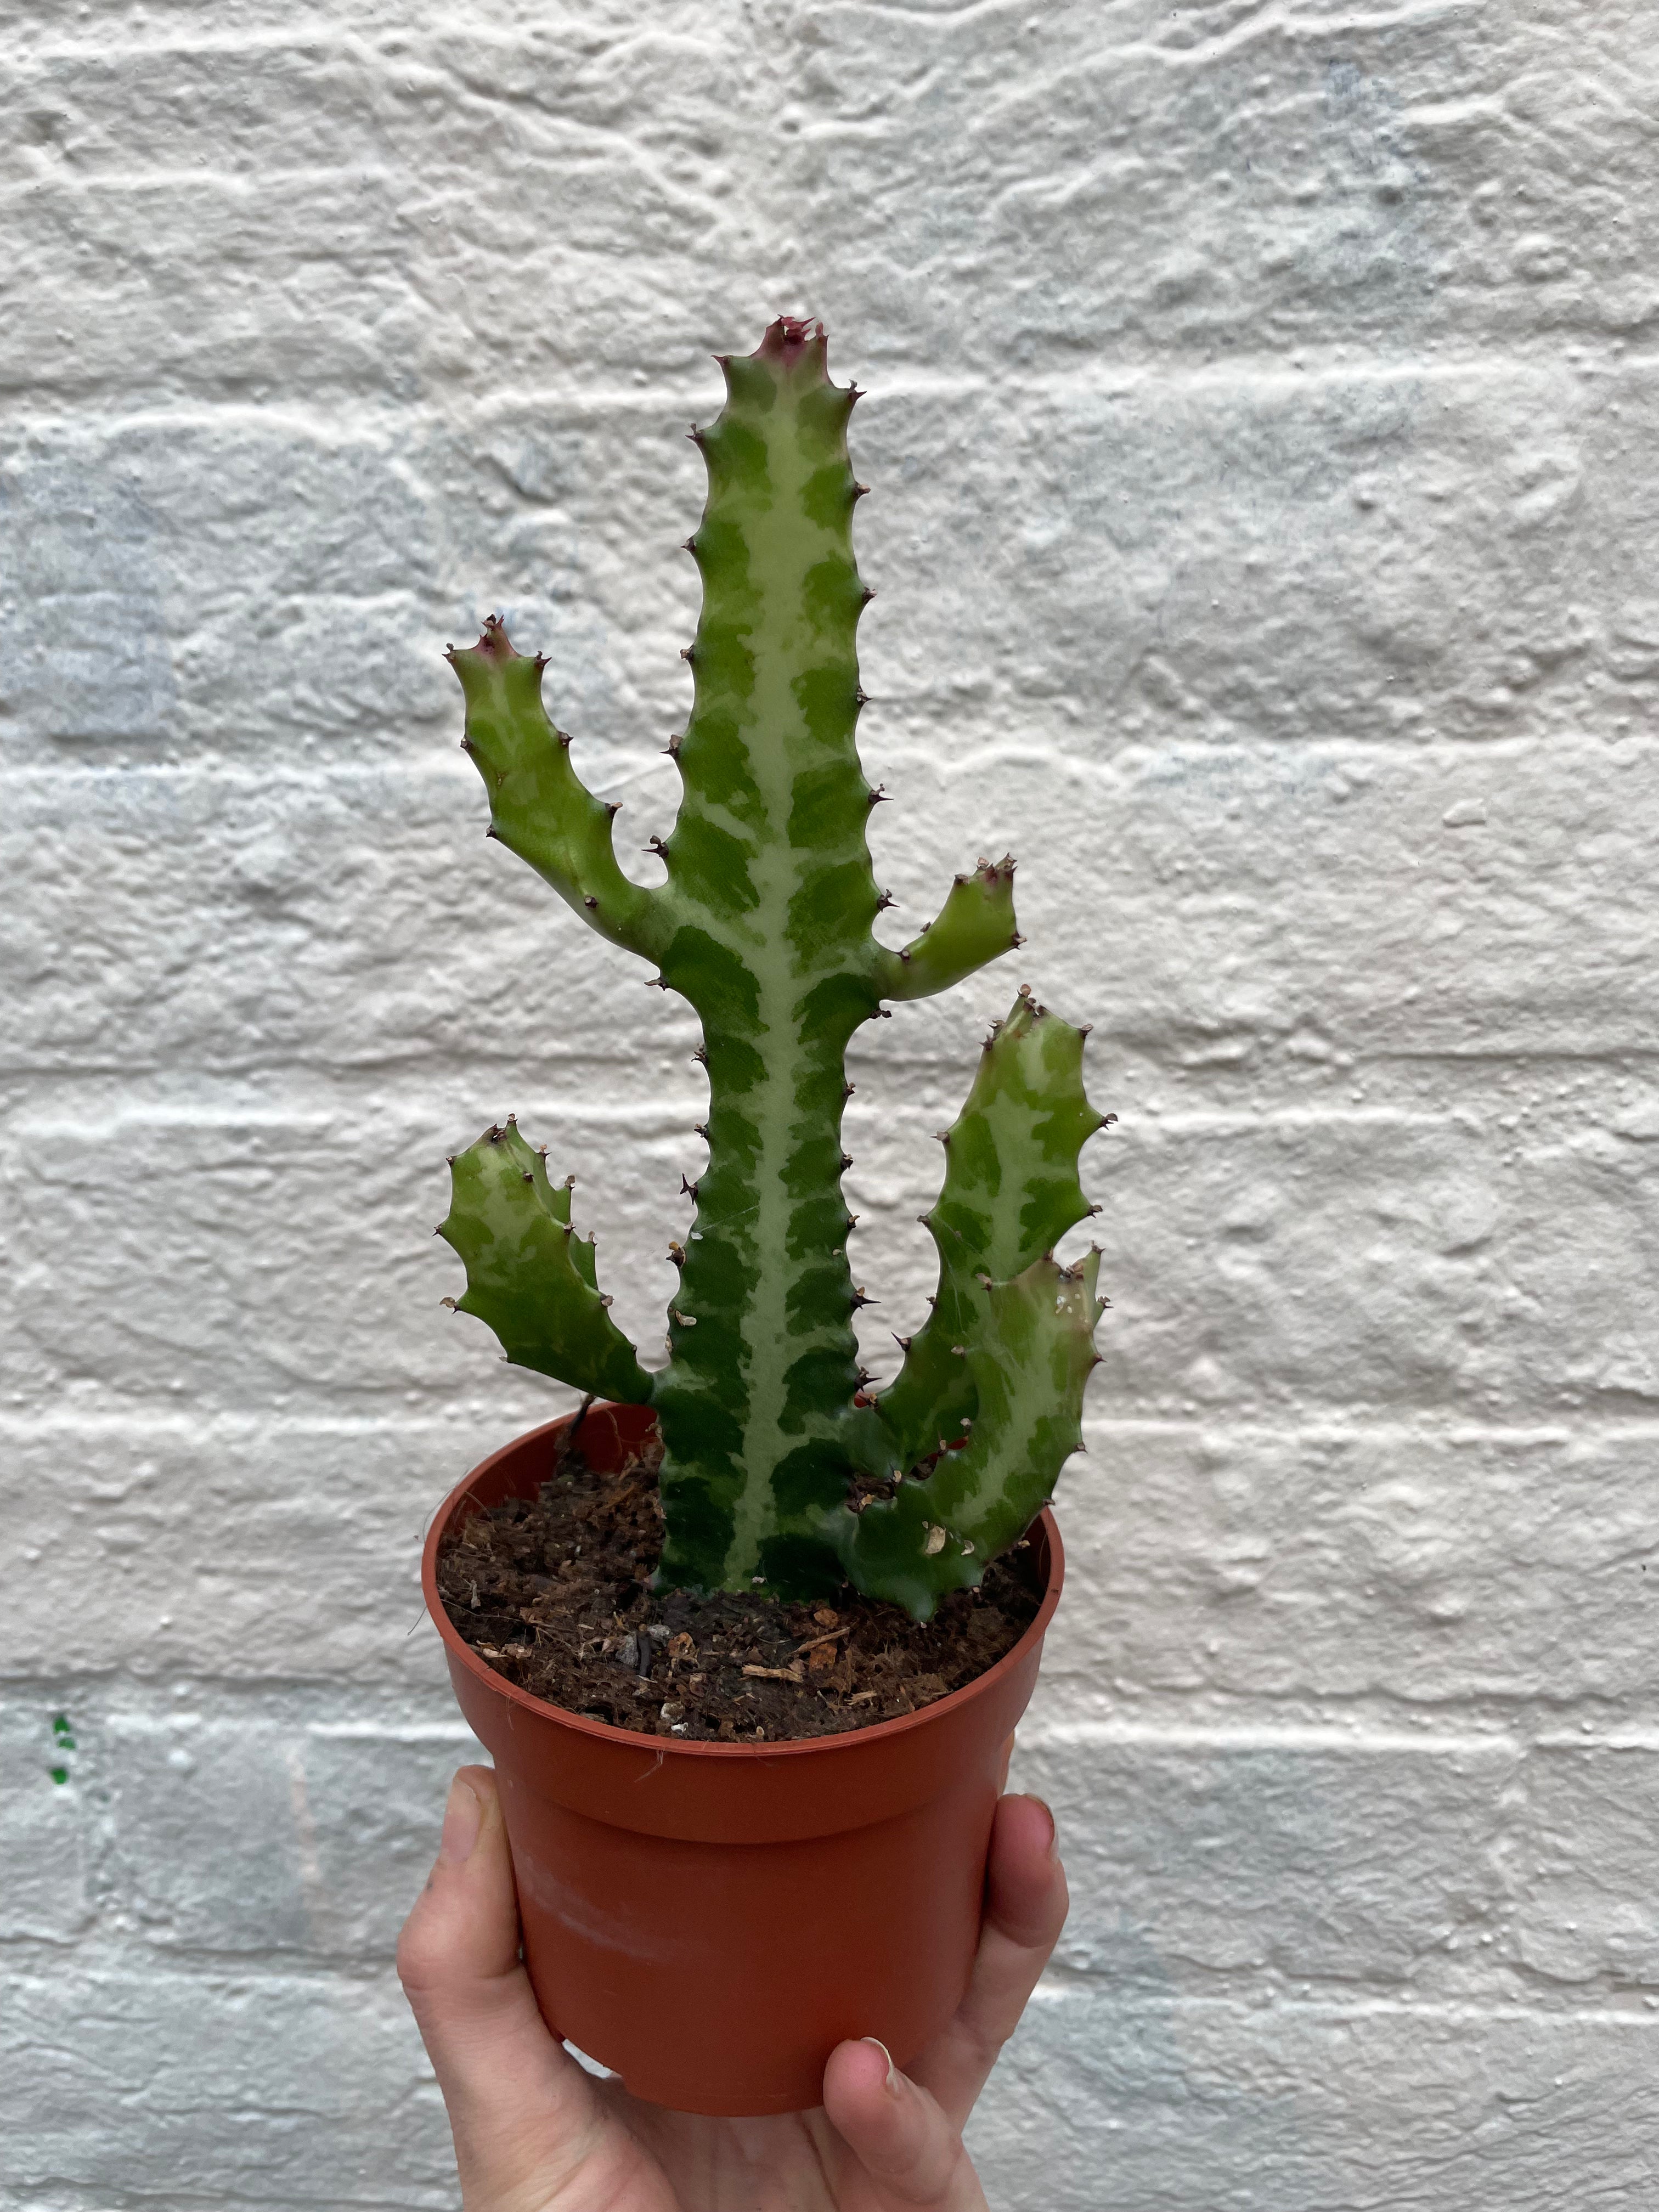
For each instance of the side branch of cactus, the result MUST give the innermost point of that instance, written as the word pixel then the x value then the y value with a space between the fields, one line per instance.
pixel 528 1274
pixel 539 807
pixel 1030 1352
pixel 974 926
pixel 1011 1192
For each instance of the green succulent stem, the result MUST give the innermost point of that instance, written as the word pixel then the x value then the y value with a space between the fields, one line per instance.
pixel 764 925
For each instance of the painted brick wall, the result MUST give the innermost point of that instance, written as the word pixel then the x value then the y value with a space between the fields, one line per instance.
pixel 1264 400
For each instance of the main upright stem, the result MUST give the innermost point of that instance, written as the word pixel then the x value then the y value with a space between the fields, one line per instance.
pixel 769 860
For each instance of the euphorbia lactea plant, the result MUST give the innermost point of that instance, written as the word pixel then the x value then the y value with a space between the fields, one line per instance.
pixel 764 925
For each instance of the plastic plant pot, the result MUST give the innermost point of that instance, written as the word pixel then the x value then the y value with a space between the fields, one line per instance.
pixel 708 1920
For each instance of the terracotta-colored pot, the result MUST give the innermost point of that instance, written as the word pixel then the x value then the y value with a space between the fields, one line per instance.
pixel 708 1919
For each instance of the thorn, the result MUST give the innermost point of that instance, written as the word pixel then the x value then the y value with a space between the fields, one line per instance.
pixel 859 1299
pixel 672 748
pixel 885 901
pixel 689 546
pixel 1096 1207
pixel 613 807
pixel 941 1136
pixel 1024 990
pixel 686 652
pixel 604 1300
pixel 467 745
pixel 449 1159
pixel 861 696
pixel 846 1159
pixel 590 902
pixel 869 594
pixel 542 1149
pixel 966 1422
pixel 1016 941
pixel 685 1321
pixel 702 1055
pixel 496 1134
pixel 877 795
pixel 687 1189
pixel 450 1304
pixel 700 1129
pixel 564 742
pixel 1085 1029
pixel 957 1352
pixel 860 491
pixel 848 1088
pixel 903 1342
pixel 676 1254
pixel 490 832
pixel 1107 1120
pixel 528 1175
pixel 541 662
pixel 695 435
pixel 852 1221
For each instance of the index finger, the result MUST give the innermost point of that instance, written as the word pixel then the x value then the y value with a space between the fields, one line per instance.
pixel 1025 1907
pixel 522 2111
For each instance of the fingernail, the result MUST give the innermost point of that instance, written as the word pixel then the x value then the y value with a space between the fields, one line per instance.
pixel 463 1818
pixel 1054 1827
pixel 893 2070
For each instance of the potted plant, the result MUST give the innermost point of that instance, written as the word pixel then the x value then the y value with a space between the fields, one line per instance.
pixel 712 1896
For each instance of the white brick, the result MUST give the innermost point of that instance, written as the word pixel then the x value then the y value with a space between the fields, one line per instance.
pixel 283 2089
pixel 1586 1858
pixel 44 1830
pixel 1110 2103
pixel 1232 1569
pixel 237 1550
pixel 1218 1858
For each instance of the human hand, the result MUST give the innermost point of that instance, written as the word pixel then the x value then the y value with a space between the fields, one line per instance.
pixel 534 2132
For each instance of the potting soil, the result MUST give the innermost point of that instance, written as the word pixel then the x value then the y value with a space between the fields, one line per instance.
pixel 553 1594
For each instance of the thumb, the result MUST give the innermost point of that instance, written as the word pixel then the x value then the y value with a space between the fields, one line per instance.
pixel 897 2132
pixel 521 2107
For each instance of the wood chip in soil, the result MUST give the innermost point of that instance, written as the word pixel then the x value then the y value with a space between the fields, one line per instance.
pixel 553 1593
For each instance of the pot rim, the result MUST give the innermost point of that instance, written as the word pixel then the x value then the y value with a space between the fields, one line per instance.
pixel 660 1746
